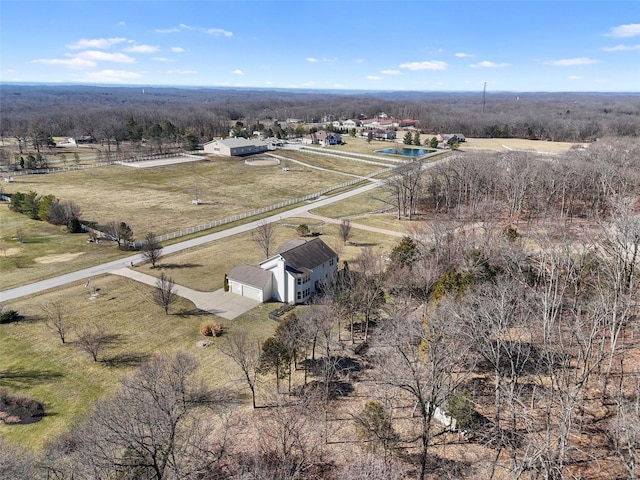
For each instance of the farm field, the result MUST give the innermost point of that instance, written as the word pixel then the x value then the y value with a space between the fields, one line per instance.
pixel 68 382
pixel 159 199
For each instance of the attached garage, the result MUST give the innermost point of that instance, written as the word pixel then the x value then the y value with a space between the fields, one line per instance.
pixel 251 282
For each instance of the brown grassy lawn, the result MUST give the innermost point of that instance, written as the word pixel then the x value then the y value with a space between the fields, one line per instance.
pixel 204 268
pixel 353 167
pixel 498 144
pixel 356 205
pixel 68 382
pixel 159 199
pixel 46 250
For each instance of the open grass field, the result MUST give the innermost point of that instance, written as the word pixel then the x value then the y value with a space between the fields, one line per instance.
pixel 352 167
pixel 159 199
pixel 45 251
pixel 67 381
pixel 506 144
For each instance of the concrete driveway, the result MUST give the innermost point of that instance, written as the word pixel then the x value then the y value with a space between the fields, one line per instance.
pixel 224 304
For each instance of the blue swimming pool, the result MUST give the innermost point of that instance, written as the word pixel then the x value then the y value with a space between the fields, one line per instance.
pixel 406 151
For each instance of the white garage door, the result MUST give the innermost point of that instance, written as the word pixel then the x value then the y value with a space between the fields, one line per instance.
pixel 235 287
pixel 252 292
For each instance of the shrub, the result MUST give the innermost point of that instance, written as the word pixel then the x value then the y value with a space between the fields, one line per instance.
pixel 9 316
pixel 211 329
pixel 461 408
pixel 303 230
pixel 510 233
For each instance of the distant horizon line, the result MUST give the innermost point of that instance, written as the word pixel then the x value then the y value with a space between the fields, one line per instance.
pixel 303 89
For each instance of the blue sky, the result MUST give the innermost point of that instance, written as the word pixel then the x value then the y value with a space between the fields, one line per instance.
pixel 425 45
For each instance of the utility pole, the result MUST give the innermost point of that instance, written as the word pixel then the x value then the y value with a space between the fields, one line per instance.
pixel 484 96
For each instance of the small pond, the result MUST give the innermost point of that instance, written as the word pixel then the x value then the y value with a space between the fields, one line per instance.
pixel 406 151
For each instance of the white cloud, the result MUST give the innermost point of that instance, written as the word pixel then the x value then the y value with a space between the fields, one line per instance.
pixel 487 64
pixel 177 49
pixel 182 72
pixel 162 59
pixel 122 24
pixel 237 71
pixel 142 49
pixel 572 62
pixel 359 60
pixel 372 77
pixel 167 30
pixel 98 56
pixel 67 62
pixel 624 31
pixel 391 72
pixel 112 76
pixel 186 27
pixel 311 59
pixel 464 55
pixel 432 65
pixel 574 77
pixel 219 32
pixel 621 48
pixel 102 43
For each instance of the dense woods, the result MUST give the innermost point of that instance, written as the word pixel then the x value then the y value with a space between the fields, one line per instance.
pixel 183 117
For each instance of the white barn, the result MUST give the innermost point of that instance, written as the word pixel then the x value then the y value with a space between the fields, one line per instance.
pixel 235 147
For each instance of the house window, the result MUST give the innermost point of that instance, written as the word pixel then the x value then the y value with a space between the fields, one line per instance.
pixel 299 296
pixel 299 281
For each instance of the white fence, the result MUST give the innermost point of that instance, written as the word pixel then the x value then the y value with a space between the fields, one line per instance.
pixel 37 171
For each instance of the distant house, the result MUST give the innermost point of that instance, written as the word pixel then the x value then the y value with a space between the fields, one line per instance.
pixel 450 138
pixel 407 123
pixel 322 138
pixel 379 134
pixel 297 270
pixel 235 147
pixel 351 123
pixel 67 142
pixel 379 122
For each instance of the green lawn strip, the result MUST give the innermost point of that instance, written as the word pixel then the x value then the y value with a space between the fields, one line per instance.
pixel 357 205
pixel 46 251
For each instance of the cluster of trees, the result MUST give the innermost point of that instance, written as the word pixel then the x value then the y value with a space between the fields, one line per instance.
pixel 519 185
pixel 47 208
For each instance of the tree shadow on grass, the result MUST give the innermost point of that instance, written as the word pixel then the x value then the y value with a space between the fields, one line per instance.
pixel 175 266
pixel 126 360
pixel 193 312
pixel 19 379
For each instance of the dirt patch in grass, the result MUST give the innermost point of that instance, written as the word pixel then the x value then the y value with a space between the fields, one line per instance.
pixel 62 257
pixel 19 409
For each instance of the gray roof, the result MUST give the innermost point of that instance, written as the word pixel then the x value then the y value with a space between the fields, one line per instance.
pixel 250 275
pixel 296 242
pixel 309 255
pixel 242 142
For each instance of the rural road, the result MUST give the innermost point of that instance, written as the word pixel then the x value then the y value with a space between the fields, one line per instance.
pixel 301 211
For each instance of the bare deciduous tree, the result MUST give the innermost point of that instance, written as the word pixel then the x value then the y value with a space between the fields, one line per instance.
pixel 246 354
pixel 345 230
pixel 151 249
pixel 92 339
pixel 56 319
pixel 154 427
pixel 264 235
pixel 164 294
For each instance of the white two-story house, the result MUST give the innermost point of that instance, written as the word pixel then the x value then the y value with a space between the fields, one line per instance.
pixel 297 270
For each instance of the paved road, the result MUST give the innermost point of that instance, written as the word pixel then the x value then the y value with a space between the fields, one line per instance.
pixel 83 275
